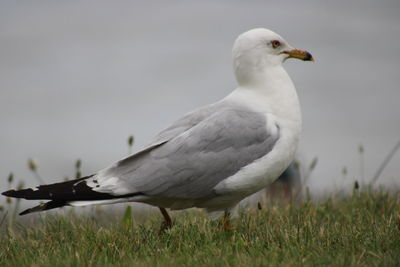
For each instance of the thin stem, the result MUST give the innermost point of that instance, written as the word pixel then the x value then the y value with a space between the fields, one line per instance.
pixel 384 163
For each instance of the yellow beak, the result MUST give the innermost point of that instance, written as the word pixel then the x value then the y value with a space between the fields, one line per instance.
pixel 300 54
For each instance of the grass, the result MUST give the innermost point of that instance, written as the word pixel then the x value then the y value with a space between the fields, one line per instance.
pixel 359 230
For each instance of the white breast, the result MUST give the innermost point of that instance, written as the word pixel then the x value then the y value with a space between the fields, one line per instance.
pixel 278 100
pixel 265 170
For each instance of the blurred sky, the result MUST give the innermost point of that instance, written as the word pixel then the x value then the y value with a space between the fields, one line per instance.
pixel 78 77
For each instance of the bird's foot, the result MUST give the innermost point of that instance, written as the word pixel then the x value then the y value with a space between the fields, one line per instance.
pixel 165 225
pixel 225 224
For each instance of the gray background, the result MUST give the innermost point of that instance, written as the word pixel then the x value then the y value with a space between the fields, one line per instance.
pixel 78 77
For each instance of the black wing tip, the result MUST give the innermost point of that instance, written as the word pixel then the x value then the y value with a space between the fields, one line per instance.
pixel 27 211
pixel 9 193
pixel 45 206
pixel 34 209
pixel 23 193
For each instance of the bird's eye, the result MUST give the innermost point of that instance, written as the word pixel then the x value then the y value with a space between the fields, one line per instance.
pixel 275 44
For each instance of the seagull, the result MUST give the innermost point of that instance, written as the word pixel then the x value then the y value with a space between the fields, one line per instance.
pixel 212 157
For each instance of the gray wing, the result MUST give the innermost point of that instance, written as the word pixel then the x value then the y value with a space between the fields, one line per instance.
pixel 190 164
pixel 187 122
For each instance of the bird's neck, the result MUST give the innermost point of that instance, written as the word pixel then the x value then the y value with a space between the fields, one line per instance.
pixel 270 90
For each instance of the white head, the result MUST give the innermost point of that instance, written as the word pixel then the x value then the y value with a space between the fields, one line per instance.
pixel 257 50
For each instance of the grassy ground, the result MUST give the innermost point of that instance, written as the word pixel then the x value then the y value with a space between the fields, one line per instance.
pixel 363 229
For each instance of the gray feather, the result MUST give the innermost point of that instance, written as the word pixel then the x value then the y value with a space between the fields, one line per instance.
pixel 196 153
